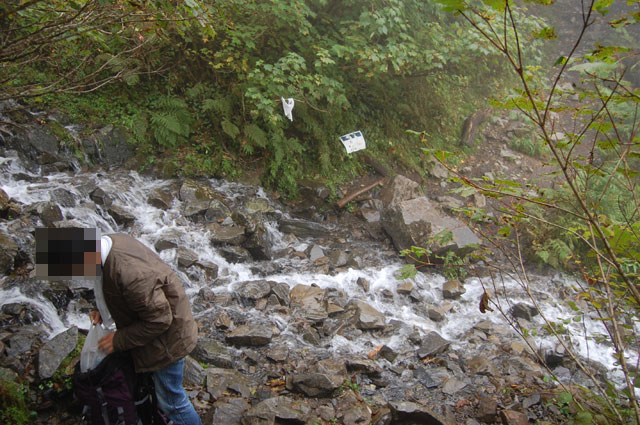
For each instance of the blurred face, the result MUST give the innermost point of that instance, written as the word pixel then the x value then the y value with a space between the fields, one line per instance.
pixel 68 253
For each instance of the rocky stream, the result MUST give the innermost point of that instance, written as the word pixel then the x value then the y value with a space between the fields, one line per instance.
pixel 302 316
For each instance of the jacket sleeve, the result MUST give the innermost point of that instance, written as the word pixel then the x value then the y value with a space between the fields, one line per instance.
pixel 147 299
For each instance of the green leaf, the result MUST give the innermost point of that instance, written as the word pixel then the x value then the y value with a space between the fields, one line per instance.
pixel 230 128
pixel 453 5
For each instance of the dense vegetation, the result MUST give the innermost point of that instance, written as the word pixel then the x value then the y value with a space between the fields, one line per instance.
pixel 198 83
pixel 585 110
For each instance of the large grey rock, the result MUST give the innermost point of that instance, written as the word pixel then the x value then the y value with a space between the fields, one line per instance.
pixel 186 257
pixel 232 235
pixel 281 291
pixel 452 289
pixel 160 198
pixel 220 381
pixel 308 302
pixel 367 317
pixel 217 210
pixel 259 243
pixel 523 311
pixel 235 254
pixel 252 290
pixel 252 335
pixel 8 253
pixel 38 144
pixel 414 413
pixel 212 352
pixel 121 215
pixel 277 410
pixel 352 409
pixel 63 197
pixel 55 350
pixel 100 197
pixel 115 150
pixel 48 212
pixel 431 345
pixel 413 222
pixel 304 229
pixel 320 380
pixel 399 189
pixel 226 411
pixel 196 197
pixel 193 372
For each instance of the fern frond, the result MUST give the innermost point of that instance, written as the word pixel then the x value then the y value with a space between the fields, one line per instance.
pixel 221 105
pixel 230 128
pixel 256 135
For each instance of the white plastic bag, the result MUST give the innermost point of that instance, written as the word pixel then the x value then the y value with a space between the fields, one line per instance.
pixel 91 355
pixel 287 106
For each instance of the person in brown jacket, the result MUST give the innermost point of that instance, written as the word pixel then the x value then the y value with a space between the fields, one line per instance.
pixel 153 319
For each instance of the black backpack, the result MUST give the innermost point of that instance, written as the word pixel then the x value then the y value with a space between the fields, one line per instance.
pixel 113 394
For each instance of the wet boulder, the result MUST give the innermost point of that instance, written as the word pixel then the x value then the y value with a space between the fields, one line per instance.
pixel 414 413
pixel 160 198
pixel 8 253
pixel 251 291
pixel 54 351
pixel 226 235
pixel 114 148
pixel 100 197
pixel 304 229
pixel 213 353
pixel 63 197
pixel 367 317
pixel 48 212
pixel 250 335
pixel 308 302
pixel 399 189
pixel 278 410
pixel 431 345
pixel 186 257
pixel 523 311
pixel 221 381
pixel 414 222
pixel 235 254
pixel 352 409
pixel 217 211
pixel 452 289
pixel 121 215
pixel 322 378
pixel 281 292
pixel 196 198
pixel 226 411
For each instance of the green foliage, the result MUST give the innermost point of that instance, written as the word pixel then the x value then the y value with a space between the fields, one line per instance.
pixel 589 220
pixel 203 81
pixel 14 409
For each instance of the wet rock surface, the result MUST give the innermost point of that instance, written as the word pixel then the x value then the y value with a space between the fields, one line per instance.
pixel 278 344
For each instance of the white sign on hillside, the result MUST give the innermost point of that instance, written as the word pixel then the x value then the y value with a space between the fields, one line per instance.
pixel 353 141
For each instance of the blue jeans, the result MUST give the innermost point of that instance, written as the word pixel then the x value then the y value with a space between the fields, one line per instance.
pixel 172 399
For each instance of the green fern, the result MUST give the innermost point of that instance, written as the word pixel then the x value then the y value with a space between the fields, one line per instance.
pixel 171 121
pixel 230 128
pixel 221 105
pixel 555 252
pixel 255 135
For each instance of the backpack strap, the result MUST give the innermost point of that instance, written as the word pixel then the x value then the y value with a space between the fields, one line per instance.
pixel 103 403
pixel 86 413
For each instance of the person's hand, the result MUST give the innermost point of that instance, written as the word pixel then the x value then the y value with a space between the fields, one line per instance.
pixel 95 318
pixel 106 343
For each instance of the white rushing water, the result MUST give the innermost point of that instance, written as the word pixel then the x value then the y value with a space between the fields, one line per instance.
pixel 152 224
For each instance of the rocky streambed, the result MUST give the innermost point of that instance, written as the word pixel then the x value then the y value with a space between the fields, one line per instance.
pixel 302 316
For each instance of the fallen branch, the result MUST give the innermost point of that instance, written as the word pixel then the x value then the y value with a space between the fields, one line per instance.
pixel 344 201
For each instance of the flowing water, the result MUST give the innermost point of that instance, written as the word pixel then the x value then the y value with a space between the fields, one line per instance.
pixel 131 191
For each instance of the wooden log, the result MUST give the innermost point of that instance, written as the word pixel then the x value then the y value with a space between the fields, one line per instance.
pixel 344 201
